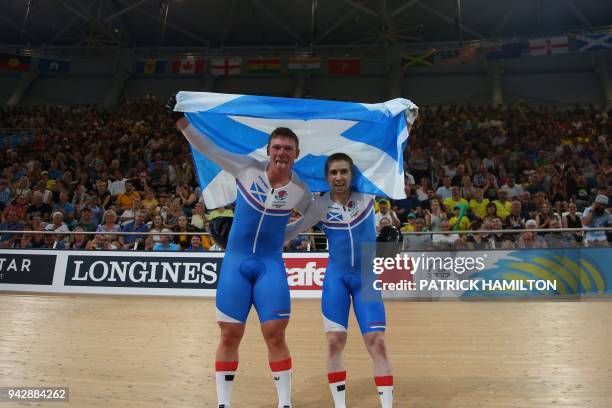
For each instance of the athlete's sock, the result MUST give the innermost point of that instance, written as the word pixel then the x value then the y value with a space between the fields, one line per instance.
pixel 282 378
pixel 226 371
pixel 385 390
pixel 337 384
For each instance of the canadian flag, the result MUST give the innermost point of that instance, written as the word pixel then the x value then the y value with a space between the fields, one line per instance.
pixel 188 66
pixel 548 46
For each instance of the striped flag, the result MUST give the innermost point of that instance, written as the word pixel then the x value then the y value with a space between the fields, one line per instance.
pixel 548 46
pixel 188 66
pixel 304 65
pixel 226 66
pixel 15 62
pixel 150 66
pixel 265 66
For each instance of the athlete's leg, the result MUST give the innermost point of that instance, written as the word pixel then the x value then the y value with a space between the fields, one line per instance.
pixel 335 305
pixel 232 311
pixel 273 305
pixel 370 313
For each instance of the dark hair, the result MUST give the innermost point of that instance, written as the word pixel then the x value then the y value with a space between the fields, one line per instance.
pixel 339 157
pixel 284 133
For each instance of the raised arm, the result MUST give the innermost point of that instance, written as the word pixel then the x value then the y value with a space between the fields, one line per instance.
pixel 233 163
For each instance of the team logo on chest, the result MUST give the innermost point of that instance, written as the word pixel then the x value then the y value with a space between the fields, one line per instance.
pixel 352 209
pixel 280 199
pixel 258 192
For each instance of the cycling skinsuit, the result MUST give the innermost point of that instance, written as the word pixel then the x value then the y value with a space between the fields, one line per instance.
pixel 253 272
pixel 347 227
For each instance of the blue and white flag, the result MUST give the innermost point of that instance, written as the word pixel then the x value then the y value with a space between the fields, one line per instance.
pixel 593 42
pixel 374 135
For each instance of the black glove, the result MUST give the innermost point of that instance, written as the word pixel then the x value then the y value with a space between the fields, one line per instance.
pixel 170 104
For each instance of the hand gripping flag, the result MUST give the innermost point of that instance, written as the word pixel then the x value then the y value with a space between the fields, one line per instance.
pixel 374 135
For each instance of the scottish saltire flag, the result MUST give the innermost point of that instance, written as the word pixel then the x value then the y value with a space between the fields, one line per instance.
pixel 374 135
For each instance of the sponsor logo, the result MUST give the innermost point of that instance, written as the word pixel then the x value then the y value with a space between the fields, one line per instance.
pixel 305 273
pixel 27 269
pixel 187 273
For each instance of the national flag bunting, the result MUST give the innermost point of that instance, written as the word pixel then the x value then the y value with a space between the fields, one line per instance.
pixel 265 66
pixel 457 56
pixel 15 62
pixel 548 46
pixel 423 58
pixel 188 66
pixel 226 66
pixel 53 66
pixel 593 42
pixel 499 52
pixel 344 66
pixel 150 66
pixel 304 65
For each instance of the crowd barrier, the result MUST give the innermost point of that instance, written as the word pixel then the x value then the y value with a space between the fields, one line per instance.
pixel 430 275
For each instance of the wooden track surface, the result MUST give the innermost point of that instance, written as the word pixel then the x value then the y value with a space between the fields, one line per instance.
pixel 158 352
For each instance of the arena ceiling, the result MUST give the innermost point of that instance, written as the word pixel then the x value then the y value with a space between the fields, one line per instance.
pixel 293 23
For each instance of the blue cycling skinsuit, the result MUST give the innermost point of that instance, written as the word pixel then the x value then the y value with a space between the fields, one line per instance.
pixel 347 227
pixel 253 272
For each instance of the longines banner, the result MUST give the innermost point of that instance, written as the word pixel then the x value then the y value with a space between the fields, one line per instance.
pixel 424 275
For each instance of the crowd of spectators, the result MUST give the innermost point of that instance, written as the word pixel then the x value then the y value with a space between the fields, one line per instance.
pixel 487 170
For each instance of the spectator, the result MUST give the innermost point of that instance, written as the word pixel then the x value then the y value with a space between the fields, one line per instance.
pixel 11 223
pixel 165 244
pixel 86 222
pixel 405 206
pixel 559 239
pixel 136 225
pixel 597 216
pixel 39 207
pixel 5 194
pixel 478 205
pixel 544 218
pixel 420 240
pixel 157 226
pixel 109 222
pixel 446 240
pixel 183 226
pixel 220 212
pixel 198 217
pixel 573 220
pixel 150 203
pixel 78 240
pixel 513 190
pixel 385 212
pixel 454 200
pixel 530 239
pixel 196 244
pixel 515 219
pixel 445 191
pixel 65 207
pixel 504 207
pixel 19 206
pixel 125 199
pixel 58 225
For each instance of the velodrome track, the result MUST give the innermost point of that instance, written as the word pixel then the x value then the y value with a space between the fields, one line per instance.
pixel 128 351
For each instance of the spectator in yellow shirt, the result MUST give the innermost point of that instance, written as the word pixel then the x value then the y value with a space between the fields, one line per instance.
pixel 504 207
pixel 125 199
pixel 457 218
pixel 478 204
pixel 455 199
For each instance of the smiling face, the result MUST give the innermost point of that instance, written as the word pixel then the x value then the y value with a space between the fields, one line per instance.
pixel 339 176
